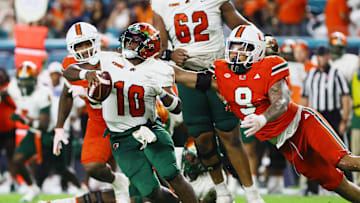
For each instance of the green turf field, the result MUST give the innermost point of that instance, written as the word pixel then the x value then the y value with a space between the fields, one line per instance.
pixel 14 198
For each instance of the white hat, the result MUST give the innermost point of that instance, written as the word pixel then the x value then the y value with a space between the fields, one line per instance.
pixel 55 67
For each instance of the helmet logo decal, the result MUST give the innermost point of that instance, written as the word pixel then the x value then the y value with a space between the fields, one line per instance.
pixel 240 31
pixel 259 36
pixel 78 29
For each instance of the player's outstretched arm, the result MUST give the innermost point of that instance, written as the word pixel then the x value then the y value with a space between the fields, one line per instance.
pixel 279 97
pixel 83 71
pixel 65 105
pixel 231 17
pixel 160 25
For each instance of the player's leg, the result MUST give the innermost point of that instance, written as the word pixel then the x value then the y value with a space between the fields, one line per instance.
pixel 197 116
pixel 96 152
pixel 162 156
pixel 7 140
pixel 22 153
pixel 250 147
pixel 227 126
pixel 137 168
pixel 106 196
pixel 348 190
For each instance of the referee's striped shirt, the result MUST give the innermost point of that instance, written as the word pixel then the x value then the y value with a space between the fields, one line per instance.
pixel 324 89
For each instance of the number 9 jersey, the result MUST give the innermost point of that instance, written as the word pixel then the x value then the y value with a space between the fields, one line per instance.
pixel 194 25
pixel 248 93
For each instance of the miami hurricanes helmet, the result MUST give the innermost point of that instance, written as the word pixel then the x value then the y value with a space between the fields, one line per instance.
pixel 26 76
pixel 140 40
pixel 251 48
pixel 338 43
pixel 80 33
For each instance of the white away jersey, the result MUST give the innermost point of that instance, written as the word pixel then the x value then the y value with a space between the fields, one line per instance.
pixel 159 71
pixel 132 101
pixel 347 64
pixel 194 25
pixel 32 104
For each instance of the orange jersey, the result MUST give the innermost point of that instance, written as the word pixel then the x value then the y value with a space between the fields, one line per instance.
pixel 94 114
pixel 248 93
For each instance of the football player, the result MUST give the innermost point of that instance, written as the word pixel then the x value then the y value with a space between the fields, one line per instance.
pixel 347 63
pixel 256 90
pixel 83 43
pixel 138 141
pixel 195 29
pixel 33 103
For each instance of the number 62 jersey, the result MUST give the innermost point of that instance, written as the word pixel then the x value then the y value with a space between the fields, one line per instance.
pixel 248 93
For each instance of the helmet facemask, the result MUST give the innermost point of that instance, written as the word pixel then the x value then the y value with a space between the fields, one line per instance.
pixel 89 53
pixel 26 85
pixel 239 55
pixel 140 40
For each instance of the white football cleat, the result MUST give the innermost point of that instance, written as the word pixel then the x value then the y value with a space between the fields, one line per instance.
pixel 223 194
pixel 82 190
pixel 32 193
pixel 121 188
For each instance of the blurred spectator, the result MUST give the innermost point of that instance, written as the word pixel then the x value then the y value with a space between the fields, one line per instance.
pixel 119 18
pixel 337 16
pixel 142 10
pixel 301 54
pixel 347 63
pixel 291 14
pixel 355 121
pixel 98 16
pixel 253 10
pixel 7 19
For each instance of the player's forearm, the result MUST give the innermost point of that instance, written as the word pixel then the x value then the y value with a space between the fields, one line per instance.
pixel 44 120
pixel 160 25
pixel 231 17
pixel 187 78
pixel 279 98
pixel 72 73
pixel 65 105
pixel 346 105
pixel 172 103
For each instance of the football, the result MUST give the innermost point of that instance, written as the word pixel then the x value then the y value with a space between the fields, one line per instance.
pixel 97 94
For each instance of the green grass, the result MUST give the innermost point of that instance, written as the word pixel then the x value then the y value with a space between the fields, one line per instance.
pixel 14 198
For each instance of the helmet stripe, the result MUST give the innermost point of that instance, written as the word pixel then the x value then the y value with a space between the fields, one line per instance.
pixel 78 29
pixel 240 31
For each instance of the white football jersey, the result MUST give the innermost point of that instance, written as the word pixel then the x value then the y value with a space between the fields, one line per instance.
pixel 194 25
pixel 32 104
pixel 159 71
pixel 132 101
pixel 347 64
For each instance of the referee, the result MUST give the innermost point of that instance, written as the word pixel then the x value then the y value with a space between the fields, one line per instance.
pixel 326 90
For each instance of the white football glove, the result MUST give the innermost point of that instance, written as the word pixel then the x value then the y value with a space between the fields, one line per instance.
pixel 58 138
pixel 254 123
pixel 144 135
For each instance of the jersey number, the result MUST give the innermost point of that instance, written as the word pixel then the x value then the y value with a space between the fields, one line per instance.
pixel 243 96
pixel 183 31
pixel 136 99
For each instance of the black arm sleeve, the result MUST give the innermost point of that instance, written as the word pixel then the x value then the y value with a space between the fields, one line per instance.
pixel 203 81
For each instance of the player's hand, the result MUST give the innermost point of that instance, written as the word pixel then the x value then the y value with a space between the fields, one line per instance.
pixel 17 117
pixel 254 123
pixel 58 138
pixel 179 56
pixel 92 78
pixel 342 127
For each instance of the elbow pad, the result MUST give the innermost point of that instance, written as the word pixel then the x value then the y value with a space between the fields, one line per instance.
pixel 203 80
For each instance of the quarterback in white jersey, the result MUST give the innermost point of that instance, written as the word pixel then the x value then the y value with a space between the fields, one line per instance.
pixel 139 143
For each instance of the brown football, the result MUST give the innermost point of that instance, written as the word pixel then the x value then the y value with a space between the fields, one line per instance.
pixel 99 93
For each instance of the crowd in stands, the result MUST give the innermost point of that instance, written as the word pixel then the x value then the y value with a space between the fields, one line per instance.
pixel 279 17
